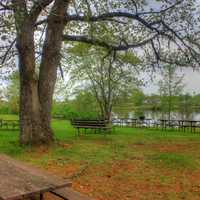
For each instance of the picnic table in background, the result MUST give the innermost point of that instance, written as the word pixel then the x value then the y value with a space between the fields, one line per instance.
pixel 19 180
pixel 95 124
pixel 9 124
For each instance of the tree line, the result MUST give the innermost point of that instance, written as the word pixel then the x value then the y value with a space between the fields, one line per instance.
pixel 84 104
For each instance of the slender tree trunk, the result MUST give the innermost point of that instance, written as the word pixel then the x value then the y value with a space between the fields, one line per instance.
pixel 108 115
pixel 107 111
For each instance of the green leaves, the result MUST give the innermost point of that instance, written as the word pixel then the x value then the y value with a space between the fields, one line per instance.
pixel 129 58
pixel 80 49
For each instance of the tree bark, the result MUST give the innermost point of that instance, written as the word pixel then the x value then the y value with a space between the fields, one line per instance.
pixel 36 93
pixel 31 128
pixel 51 59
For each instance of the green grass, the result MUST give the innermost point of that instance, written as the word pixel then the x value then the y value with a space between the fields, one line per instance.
pixel 97 148
pixel 174 161
pixel 153 164
pixel 122 144
pixel 9 117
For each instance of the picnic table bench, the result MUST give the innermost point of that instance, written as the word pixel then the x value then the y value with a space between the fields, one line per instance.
pixel 19 180
pixel 91 124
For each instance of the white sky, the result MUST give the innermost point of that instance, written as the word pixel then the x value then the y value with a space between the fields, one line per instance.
pixel 191 81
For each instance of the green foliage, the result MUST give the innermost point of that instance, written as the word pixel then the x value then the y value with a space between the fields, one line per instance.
pixel 83 106
pixel 138 97
pixel 64 110
pixel 129 101
pixel 106 77
pixel 12 92
pixel 4 108
pixel 185 104
pixel 129 58
pixel 80 49
pixel 170 86
pixel 152 102
pixel 136 100
pixel 104 32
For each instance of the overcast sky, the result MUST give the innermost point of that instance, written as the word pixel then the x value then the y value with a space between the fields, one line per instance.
pixel 191 81
pixel 191 77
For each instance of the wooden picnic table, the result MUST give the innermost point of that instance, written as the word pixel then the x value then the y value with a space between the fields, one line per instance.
pixel 19 180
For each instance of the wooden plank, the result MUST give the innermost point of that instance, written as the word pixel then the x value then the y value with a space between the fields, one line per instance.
pixel 19 180
pixel 70 194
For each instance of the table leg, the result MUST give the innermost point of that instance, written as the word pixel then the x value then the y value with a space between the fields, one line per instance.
pixel 34 197
pixel 41 196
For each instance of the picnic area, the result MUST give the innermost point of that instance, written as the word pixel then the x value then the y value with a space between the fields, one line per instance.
pixel 99 100
pixel 129 163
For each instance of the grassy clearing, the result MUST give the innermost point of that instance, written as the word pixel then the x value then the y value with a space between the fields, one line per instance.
pixel 131 163
pixel 124 143
pixel 174 161
pixel 9 117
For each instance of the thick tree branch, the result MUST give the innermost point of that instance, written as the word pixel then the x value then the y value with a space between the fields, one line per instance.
pixel 19 6
pixel 38 7
pixel 97 42
pixel 108 15
pixel 111 16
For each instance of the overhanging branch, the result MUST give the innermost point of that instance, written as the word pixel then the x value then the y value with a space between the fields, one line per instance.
pixel 108 15
pixel 104 44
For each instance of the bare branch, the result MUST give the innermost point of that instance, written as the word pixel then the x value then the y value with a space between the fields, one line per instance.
pixel 7 51
pixel 108 15
pixel 5 7
pixel 161 11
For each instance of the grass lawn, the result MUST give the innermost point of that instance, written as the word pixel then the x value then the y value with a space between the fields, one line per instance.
pixel 129 164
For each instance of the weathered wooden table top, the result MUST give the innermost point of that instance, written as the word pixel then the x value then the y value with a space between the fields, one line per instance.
pixel 19 180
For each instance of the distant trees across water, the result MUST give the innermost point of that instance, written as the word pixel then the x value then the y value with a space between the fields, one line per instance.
pixel 85 106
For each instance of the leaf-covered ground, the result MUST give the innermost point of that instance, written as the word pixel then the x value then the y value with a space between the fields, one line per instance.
pixel 129 164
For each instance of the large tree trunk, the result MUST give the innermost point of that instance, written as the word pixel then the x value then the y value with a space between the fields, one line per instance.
pixel 31 129
pixel 36 93
pixel 51 59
